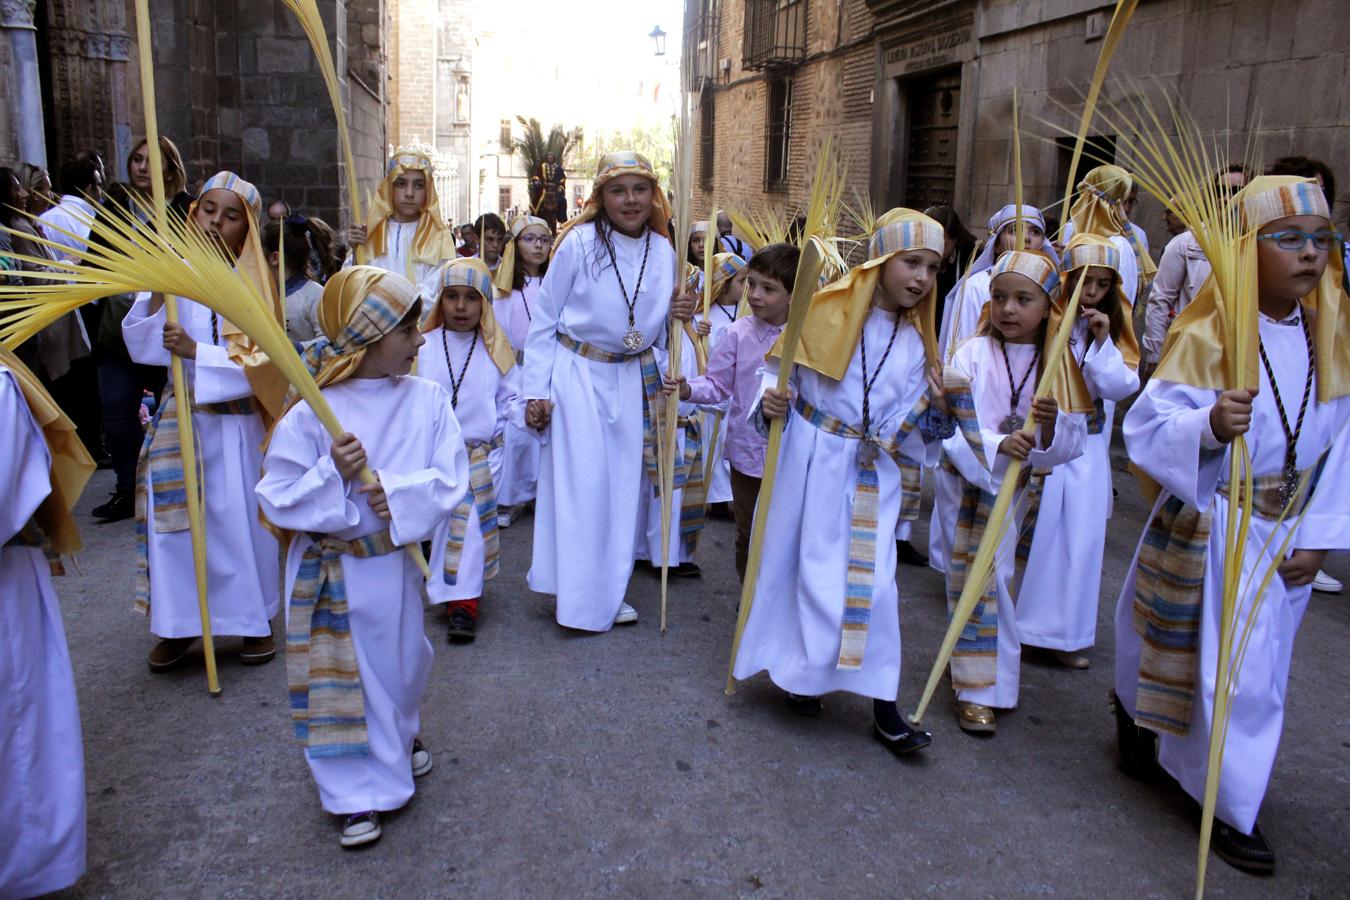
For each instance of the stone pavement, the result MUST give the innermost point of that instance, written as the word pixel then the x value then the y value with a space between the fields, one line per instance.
pixel 614 764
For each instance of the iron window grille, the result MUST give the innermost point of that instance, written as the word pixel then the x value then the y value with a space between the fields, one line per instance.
pixel 778 133
pixel 775 33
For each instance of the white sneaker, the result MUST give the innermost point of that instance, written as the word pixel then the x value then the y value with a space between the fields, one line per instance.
pixel 627 615
pixel 503 517
pixel 1326 584
pixel 421 759
pixel 361 828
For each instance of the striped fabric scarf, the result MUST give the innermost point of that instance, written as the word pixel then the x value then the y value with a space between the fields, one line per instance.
pixel 862 544
pixel 159 473
pixel 322 674
pixel 653 420
pixel 482 497
pixel 690 481
pixel 975 658
pixel 1169 587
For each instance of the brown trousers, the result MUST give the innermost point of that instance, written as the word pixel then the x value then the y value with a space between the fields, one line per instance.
pixel 744 494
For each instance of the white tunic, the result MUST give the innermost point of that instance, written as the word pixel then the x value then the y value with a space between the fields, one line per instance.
pixel 397 258
pixel 960 319
pixel 649 517
pixel 590 470
pixel 1057 606
pixel 720 316
pixel 241 561
pixel 488 404
pixel 413 444
pixel 520 464
pixel 796 622
pixel 1163 433
pixel 42 806
pixel 980 360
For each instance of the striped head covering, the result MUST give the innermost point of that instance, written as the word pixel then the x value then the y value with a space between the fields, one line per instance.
pixel 269 386
pixel 1070 391
pixel 615 165
pixel 830 333
pixel 1084 251
pixel 1036 266
pixel 472 272
pixel 360 305
pixel 725 267
pixel 432 241
pixel 504 278
pixel 1195 351
pixel 700 227
pixel 1098 210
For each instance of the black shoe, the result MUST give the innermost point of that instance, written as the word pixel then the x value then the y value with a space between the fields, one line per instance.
pixel 104 462
pixel 908 740
pixel 907 555
pixel 1138 746
pixel 121 506
pixel 804 705
pixel 461 627
pixel 686 570
pixel 1248 852
pixel 720 511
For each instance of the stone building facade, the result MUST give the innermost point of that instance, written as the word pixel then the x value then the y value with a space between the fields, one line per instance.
pixel 917 94
pixel 237 87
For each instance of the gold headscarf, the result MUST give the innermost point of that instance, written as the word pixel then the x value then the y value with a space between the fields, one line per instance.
pixel 360 305
pixel 1071 391
pixel 611 166
pixel 432 241
pixel 1195 352
pixel 504 278
pixel 1097 210
pixel 835 319
pixel 71 463
pixel 470 271
pixel 1086 250
pixel 268 384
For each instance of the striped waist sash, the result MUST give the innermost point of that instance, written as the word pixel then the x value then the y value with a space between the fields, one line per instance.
pixel 653 418
pixel 482 498
pixel 862 544
pixel 1169 592
pixel 322 674
pixel 159 472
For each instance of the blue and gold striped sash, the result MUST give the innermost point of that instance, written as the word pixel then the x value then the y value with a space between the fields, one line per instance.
pixel 482 498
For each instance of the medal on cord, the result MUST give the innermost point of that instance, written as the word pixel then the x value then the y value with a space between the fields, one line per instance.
pixel 1289 481
pixel 632 338
pixel 1012 421
pixel 869 448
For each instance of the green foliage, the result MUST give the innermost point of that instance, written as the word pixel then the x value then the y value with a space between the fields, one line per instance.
pixel 655 142
pixel 533 146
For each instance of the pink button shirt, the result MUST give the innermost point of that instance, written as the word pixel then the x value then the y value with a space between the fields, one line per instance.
pixel 734 371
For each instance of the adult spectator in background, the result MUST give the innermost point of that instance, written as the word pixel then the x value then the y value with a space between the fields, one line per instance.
pixel 1181 271
pixel 121 382
pixel 278 210
pixel 39 186
pixel 82 180
pixel 468 240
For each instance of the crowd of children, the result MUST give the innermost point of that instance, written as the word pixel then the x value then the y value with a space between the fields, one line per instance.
pixel 533 370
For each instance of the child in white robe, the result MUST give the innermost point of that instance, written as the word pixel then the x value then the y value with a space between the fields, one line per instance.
pixel 404 232
pixel 1099 208
pixel 469 356
pixel 592 386
pixel 826 609
pixel 990 382
pixel 517 282
pixel 357 655
pixel 231 386
pixel 728 288
pixel 43 468
pixel 1057 606
pixel 961 314
pixel 1178 432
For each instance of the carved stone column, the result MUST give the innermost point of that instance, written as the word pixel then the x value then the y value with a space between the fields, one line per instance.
pixel 16 20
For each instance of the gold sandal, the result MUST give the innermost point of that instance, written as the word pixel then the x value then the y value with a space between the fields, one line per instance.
pixel 975 718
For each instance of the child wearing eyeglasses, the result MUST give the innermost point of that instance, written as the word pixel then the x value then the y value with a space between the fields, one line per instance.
pixel 1179 431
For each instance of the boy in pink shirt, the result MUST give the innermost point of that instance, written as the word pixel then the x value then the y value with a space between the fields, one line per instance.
pixel 733 371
